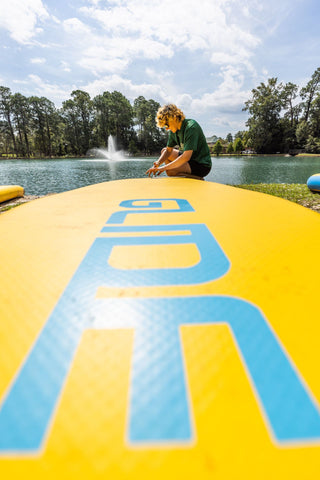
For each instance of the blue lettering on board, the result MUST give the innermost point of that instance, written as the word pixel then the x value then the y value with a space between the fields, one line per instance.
pixel 154 205
pixel 159 410
pixel 213 263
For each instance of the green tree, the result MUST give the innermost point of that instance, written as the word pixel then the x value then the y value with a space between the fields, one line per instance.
pixel 314 117
pixel 229 138
pixel 113 116
pixel 230 148
pixel 217 148
pixel 22 116
pixel 72 127
pixel 77 114
pixel 240 134
pixel 238 145
pixel 150 137
pixel 5 138
pixel 312 144
pixel 309 91
pixel 133 149
pixel 102 119
pixel 289 94
pixel 121 119
pixel 44 121
pixel 6 112
pixel 264 108
pixel 302 133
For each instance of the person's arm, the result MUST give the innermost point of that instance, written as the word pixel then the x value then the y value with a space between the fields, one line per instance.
pixel 164 156
pixel 184 158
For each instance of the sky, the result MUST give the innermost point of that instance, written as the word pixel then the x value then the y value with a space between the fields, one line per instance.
pixel 205 56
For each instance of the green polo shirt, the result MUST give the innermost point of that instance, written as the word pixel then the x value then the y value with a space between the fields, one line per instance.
pixel 191 137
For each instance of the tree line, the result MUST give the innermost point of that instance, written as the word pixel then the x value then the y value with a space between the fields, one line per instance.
pixel 284 117
pixel 33 126
pixel 281 118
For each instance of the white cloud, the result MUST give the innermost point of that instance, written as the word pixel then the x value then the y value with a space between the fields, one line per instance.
pixel 185 101
pixel 142 30
pixel 185 27
pixel 159 76
pixel 222 58
pixel 229 95
pixel 125 86
pixel 201 56
pixel 98 60
pixel 227 124
pixel 38 60
pixel 21 18
pixel 55 93
pixel 74 26
pixel 65 66
pixel 109 54
pixel 55 19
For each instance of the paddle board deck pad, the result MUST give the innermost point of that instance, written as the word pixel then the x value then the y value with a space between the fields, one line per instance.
pixel 159 328
pixel 8 192
pixel 313 183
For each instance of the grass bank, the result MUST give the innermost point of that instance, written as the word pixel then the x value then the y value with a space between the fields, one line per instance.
pixel 294 192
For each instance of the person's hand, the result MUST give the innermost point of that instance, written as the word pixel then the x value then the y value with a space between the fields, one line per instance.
pixel 153 170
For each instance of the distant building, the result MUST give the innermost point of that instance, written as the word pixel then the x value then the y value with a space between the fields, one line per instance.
pixel 248 151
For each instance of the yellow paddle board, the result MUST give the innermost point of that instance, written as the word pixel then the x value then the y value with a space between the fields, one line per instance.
pixel 8 192
pixel 159 328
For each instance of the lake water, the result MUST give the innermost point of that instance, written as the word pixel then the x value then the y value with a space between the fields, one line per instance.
pixel 39 177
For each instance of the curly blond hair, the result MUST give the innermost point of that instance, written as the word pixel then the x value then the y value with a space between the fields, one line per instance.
pixel 166 112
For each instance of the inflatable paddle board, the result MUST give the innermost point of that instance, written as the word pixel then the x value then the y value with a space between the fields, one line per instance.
pixel 313 183
pixel 8 192
pixel 159 328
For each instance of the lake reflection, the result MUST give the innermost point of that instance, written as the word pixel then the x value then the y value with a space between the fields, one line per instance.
pixel 39 177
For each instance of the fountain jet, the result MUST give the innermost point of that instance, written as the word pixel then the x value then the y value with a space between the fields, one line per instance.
pixel 111 153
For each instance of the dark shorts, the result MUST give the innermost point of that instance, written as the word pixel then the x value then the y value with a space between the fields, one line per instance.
pixel 199 169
